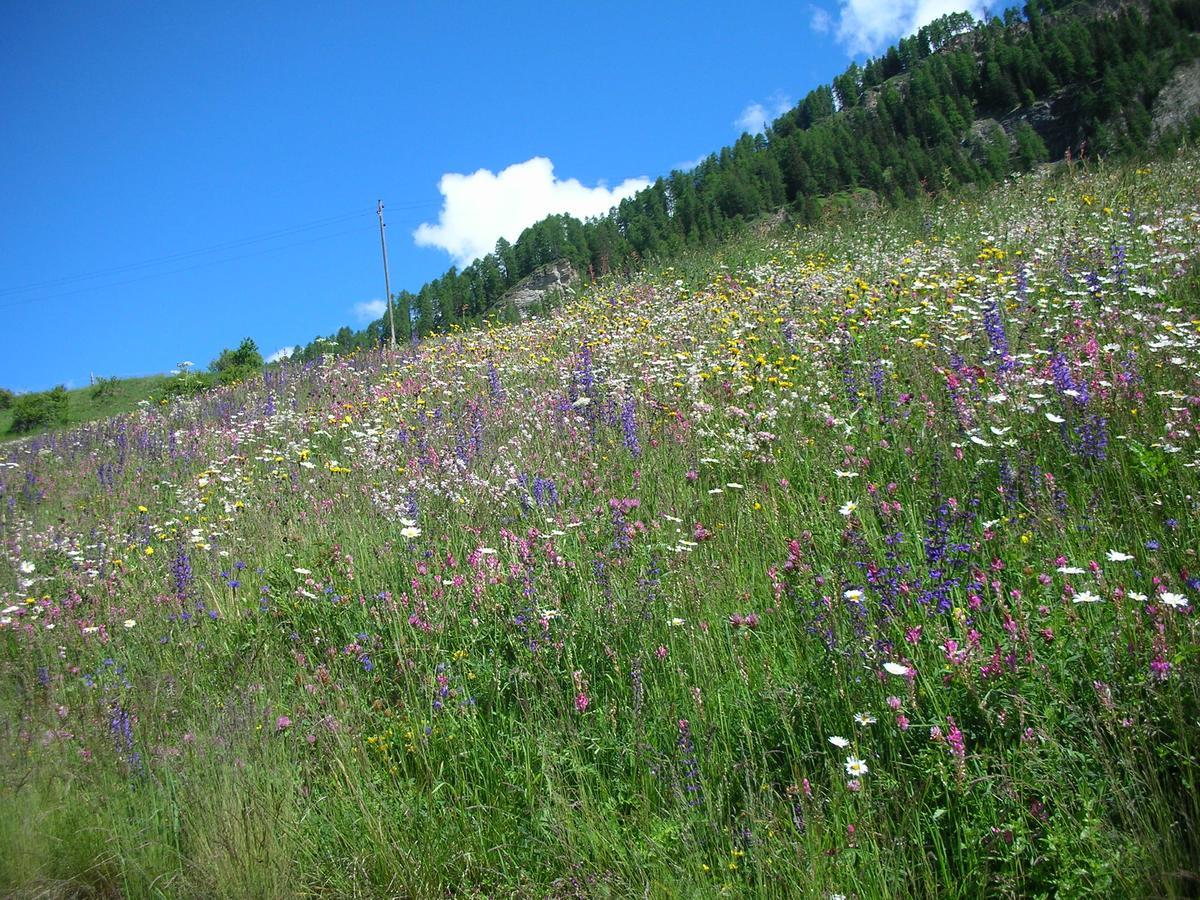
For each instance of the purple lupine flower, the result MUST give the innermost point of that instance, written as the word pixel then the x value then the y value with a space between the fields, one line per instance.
pixel 994 326
pixel 1093 438
pixel 1119 269
pixel 851 385
pixel 629 426
pixel 1066 383
pixel 181 573
pixel 876 378
pixel 691 768
pixel 120 725
pixel 494 386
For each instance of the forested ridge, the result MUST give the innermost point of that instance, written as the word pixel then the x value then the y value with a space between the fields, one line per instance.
pixel 899 125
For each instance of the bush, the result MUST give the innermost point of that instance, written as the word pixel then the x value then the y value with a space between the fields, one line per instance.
pixel 104 388
pixel 40 410
pixel 6 398
pixel 239 364
pixel 1031 149
pixel 185 384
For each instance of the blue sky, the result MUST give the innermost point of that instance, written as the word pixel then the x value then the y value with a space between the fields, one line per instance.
pixel 175 177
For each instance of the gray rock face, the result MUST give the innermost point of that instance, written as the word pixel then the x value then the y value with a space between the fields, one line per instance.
pixel 550 282
pixel 1054 120
pixel 1179 101
pixel 982 134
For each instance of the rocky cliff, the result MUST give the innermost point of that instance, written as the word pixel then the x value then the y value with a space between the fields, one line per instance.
pixel 548 284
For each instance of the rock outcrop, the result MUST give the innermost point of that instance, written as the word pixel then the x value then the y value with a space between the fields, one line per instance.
pixel 549 284
pixel 1055 119
pixel 1179 102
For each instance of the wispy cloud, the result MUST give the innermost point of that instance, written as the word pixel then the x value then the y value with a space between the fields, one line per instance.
pixel 281 353
pixel 369 310
pixel 688 164
pixel 869 26
pixel 480 208
pixel 757 116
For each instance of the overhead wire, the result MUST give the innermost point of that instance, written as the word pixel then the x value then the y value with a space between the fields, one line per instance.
pixel 223 247
pixel 180 257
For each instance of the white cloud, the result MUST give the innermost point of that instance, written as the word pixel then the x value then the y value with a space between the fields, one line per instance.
pixel 688 164
pixel 281 353
pixel 757 116
pixel 868 26
pixel 819 20
pixel 480 208
pixel 369 310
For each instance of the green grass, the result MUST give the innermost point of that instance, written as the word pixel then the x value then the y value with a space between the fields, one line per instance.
pixel 83 406
pixel 777 470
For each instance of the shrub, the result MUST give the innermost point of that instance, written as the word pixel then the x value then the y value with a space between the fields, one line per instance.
pixel 239 364
pixel 185 384
pixel 6 398
pixel 104 388
pixel 40 410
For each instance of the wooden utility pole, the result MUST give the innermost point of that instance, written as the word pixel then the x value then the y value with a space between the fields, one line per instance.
pixel 387 286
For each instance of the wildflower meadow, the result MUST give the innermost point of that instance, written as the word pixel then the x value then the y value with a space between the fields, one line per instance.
pixel 857 560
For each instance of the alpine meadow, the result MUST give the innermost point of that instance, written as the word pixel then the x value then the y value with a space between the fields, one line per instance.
pixel 829 529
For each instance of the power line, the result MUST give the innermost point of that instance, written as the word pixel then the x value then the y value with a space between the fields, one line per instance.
pixel 212 262
pixel 180 256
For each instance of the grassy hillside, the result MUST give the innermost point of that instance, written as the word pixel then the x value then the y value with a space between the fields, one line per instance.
pixel 859 562
pixel 87 405
pixel 960 103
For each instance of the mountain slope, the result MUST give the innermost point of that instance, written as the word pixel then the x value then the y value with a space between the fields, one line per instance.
pixel 860 561
pixel 1077 77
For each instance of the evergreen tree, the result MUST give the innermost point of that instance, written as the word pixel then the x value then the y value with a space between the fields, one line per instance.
pixel 1031 149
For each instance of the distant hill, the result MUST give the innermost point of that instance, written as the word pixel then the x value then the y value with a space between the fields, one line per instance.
pixel 108 397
